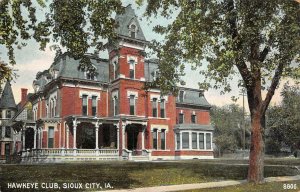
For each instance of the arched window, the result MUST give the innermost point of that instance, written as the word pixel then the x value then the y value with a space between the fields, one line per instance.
pixel 133 30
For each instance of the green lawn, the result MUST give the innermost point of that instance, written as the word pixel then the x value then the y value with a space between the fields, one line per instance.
pixel 268 187
pixel 138 174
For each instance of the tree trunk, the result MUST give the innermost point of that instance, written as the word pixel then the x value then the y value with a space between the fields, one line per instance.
pixel 256 159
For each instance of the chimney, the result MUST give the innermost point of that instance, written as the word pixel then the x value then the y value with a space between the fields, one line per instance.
pixel 23 96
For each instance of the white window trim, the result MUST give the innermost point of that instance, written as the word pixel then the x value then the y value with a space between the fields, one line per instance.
pixel 164 107
pixel 114 95
pixel 184 93
pixel 157 130
pixel 135 30
pixel 89 94
pixel 135 59
pixel 96 104
pixel 190 140
pixel 114 61
pixel 87 104
pixel 181 112
pixel 156 103
pixel 165 139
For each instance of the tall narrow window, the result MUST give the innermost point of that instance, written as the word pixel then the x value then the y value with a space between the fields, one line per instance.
pixel 163 139
pixel 8 114
pixel 154 137
pixel 7 132
pixel 132 105
pixel 193 118
pixel 116 105
pixel 50 137
pixel 177 141
pixel 194 140
pixel 0 134
pixel 116 70
pixel 54 107
pixel 131 69
pixel 154 107
pixel 84 104
pixel 162 108
pixel 201 140
pixel 185 140
pixel 208 141
pixel 181 118
pixel 94 105
pixel 132 31
pixel 181 95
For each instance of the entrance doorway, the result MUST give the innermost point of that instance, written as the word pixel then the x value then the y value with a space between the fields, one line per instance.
pixel 132 136
pixel 29 138
pixel 7 152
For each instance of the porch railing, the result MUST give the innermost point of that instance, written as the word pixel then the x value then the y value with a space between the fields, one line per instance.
pixel 70 152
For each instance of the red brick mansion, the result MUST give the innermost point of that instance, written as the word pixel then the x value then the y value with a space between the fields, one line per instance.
pixel 79 115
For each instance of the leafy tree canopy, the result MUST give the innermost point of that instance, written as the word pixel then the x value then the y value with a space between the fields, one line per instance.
pixel 230 37
pixel 228 124
pixel 257 40
pixel 75 25
pixel 284 120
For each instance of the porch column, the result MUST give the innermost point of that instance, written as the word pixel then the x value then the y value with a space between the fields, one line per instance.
pixel 40 137
pixel 118 135
pixel 180 139
pixel 123 135
pixel 67 138
pixel 23 139
pixel 143 136
pixel 34 139
pixel 97 135
pixel 74 135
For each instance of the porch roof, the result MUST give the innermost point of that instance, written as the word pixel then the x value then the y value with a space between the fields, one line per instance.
pixel 92 119
pixel 194 127
pixel 18 125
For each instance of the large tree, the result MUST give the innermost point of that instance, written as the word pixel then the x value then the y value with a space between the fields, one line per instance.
pixel 75 25
pixel 257 40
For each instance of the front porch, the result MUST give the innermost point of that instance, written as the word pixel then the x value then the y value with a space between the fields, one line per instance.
pixel 85 139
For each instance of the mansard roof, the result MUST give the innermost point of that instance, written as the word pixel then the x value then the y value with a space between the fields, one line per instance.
pixel 68 67
pixel 124 22
pixel 192 97
pixel 7 98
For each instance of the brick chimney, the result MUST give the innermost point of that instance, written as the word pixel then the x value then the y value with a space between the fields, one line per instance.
pixel 23 96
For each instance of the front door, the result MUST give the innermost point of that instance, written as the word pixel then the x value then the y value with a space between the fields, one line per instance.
pixel 7 151
pixel 132 137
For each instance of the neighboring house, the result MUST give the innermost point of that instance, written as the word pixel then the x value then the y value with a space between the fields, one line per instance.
pixel 82 115
pixel 8 109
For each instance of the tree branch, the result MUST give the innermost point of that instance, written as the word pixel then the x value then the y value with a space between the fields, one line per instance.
pixel 264 53
pixel 271 90
pixel 239 62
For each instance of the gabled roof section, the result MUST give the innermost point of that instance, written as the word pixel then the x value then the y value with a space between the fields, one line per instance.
pixel 7 98
pixel 125 20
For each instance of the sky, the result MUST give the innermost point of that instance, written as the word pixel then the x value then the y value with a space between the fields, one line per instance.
pixel 31 60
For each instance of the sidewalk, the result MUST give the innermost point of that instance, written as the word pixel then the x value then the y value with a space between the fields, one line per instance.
pixel 204 185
